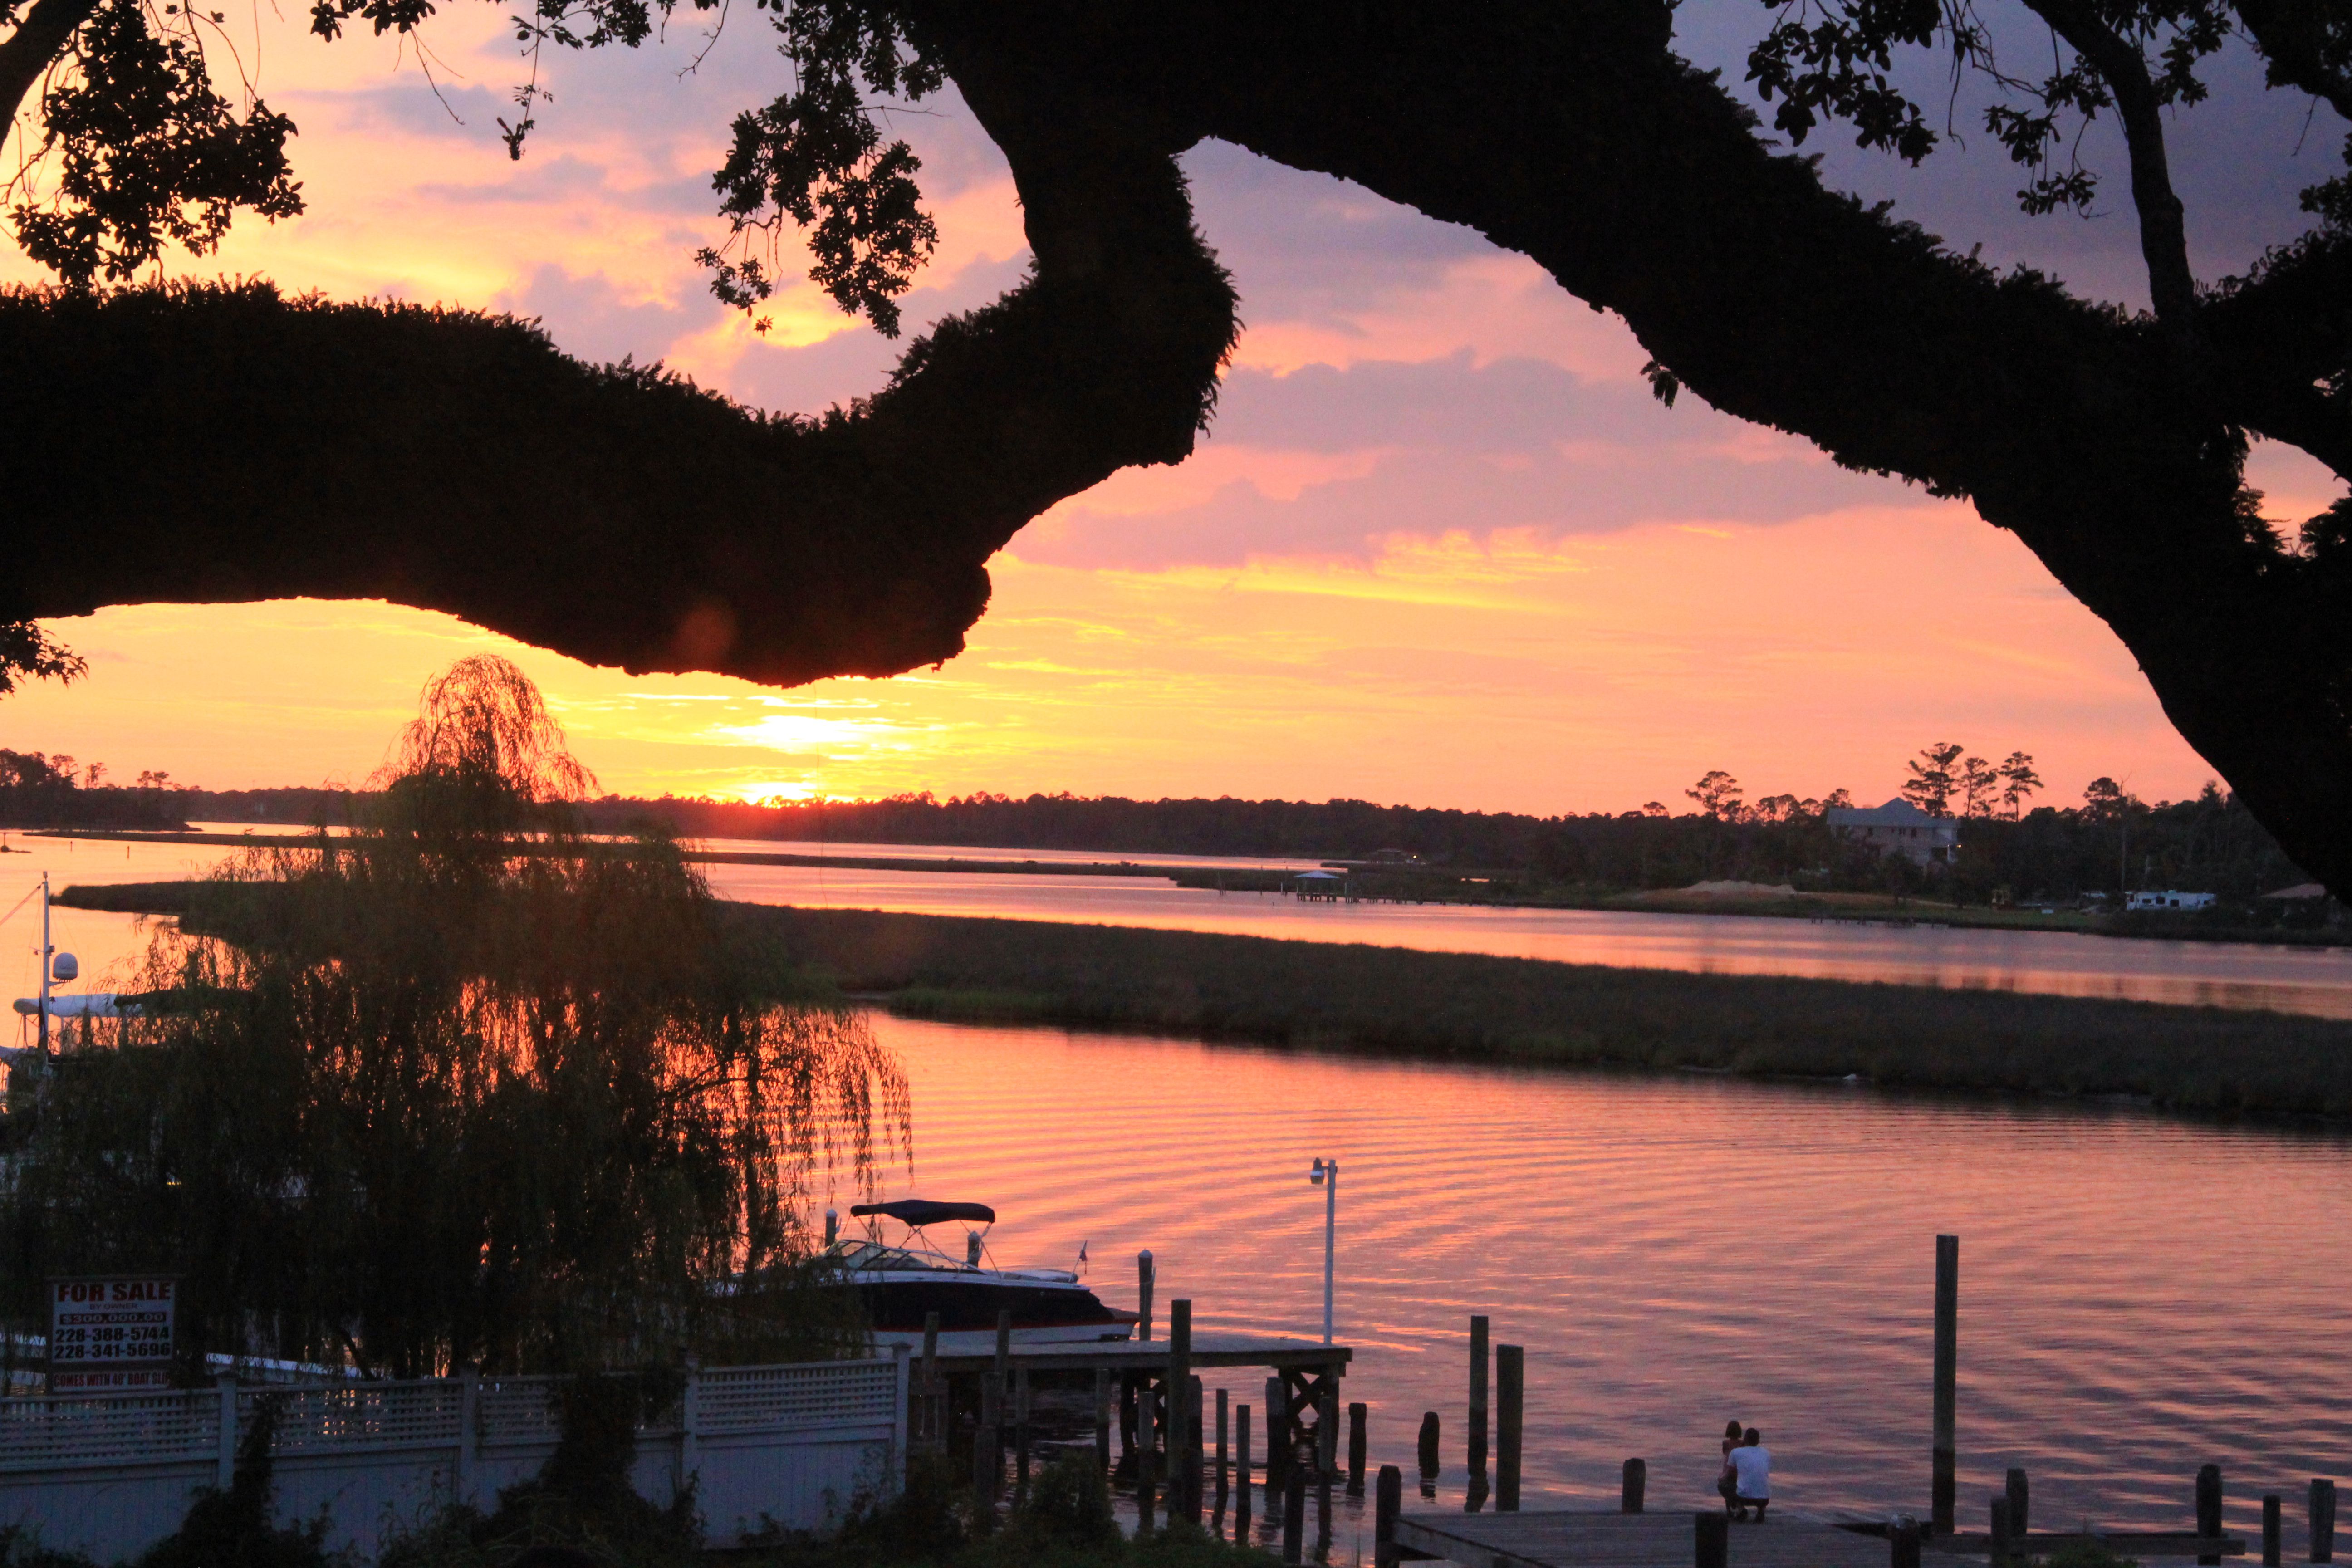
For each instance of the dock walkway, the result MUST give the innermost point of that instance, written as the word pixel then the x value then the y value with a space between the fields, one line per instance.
pixel 1593 1538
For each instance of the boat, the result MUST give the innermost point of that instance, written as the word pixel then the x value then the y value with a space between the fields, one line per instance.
pixel 902 1284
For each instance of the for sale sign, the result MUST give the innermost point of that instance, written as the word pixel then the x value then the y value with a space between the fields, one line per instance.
pixel 111 1333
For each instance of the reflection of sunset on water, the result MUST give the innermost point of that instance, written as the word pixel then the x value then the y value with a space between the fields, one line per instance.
pixel 2138 1296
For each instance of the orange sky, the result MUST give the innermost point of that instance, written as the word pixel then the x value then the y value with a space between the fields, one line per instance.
pixel 1441 547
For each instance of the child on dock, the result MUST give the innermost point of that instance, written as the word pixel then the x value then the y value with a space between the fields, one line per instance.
pixel 1726 1480
pixel 1750 1466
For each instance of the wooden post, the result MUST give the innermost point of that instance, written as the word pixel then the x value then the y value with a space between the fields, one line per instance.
pixel 1224 1478
pixel 1357 1416
pixel 1428 1444
pixel 1143 1294
pixel 2323 1521
pixel 1636 1482
pixel 1294 1515
pixel 1326 1425
pixel 2019 1496
pixel 1943 1487
pixel 1477 1421
pixel 986 1461
pixel 1903 1543
pixel 1240 1472
pixel 1179 1415
pixel 1102 1421
pixel 1510 1382
pixel 1713 1528
pixel 1278 1449
pixel 225 1456
pixel 2002 1534
pixel 2208 1507
pixel 2271 1530
pixel 1388 1501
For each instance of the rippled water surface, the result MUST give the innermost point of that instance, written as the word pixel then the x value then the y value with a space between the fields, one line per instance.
pixel 2138 1296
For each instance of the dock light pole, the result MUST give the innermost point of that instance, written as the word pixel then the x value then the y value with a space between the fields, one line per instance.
pixel 1325 1175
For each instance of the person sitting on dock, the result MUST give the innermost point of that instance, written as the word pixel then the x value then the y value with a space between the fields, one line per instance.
pixel 1751 1467
pixel 1726 1480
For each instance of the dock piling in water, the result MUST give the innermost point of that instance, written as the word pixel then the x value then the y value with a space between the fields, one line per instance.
pixel 1357 1416
pixel 1510 1386
pixel 1223 1475
pixel 1144 1414
pixel 1021 1428
pixel 2003 1534
pixel 1429 1445
pixel 1241 1471
pixel 2209 1508
pixel 1477 1414
pixel 2020 1496
pixel 1294 1515
pixel 1635 1483
pixel 2271 1530
pixel 1143 1294
pixel 1388 1501
pixel 1180 1406
pixel 1944 1483
pixel 1278 1450
pixel 2323 1520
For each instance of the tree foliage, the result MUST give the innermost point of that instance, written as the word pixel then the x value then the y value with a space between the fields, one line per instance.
pixel 424 1101
pixel 29 652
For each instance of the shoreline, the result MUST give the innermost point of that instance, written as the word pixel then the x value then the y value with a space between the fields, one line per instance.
pixel 1843 909
pixel 1384 1001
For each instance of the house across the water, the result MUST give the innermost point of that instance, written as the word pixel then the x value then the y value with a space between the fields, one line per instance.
pixel 1898 827
pixel 2169 900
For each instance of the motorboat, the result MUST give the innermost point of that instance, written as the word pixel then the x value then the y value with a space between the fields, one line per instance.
pixel 902 1283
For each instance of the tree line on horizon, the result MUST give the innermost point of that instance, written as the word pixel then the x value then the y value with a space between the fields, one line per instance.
pixel 2112 839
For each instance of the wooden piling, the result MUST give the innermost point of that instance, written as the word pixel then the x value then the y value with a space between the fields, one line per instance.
pixel 1241 1471
pixel 1143 1294
pixel 1477 1414
pixel 1195 1455
pixel 987 1461
pixel 1278 1450
pixel 1510 1382
pixel 1357 1417
pixel 1903 1545
pixel 2271 1530
pixel 2323 1520
pixel 1714 1530
pixel 1102 1421
pixel 1944 1483
pixel 1180 1408
pixel 1428 1445
pixel 2003 1535
pixel 1294 1515
pixel 1635 1483
pixel 1326 1425
pixel 2019 1495
pixel 2209 1508
pixel 1388 1501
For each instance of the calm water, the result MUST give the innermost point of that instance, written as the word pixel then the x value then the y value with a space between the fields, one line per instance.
pixel 2137 1296
pixel 2316 981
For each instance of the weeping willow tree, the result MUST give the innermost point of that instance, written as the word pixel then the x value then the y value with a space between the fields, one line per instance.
pixel 462 1085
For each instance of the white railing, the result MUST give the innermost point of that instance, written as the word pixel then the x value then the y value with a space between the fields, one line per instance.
pixel 788 1447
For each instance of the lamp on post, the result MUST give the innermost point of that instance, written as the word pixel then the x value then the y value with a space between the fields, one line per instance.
pixel 1325 1175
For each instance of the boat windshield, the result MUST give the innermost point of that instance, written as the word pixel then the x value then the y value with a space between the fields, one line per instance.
pixel 869 1254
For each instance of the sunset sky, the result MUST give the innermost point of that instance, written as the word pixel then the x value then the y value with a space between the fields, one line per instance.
pixel 1441 547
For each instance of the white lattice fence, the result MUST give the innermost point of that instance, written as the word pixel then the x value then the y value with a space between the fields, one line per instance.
pixel 793 1446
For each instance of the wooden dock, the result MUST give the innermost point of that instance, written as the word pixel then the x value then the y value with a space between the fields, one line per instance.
pixel 960 1353
pixel 1590 1538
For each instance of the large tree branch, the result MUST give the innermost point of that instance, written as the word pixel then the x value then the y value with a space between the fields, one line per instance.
pixel 2303 43
pixel 2163 234
pixel 38 39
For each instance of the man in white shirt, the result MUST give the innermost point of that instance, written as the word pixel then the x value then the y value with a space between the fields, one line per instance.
pixel 1751 1465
